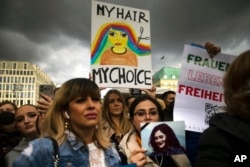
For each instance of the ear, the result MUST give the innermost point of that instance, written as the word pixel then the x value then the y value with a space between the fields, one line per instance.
pixel 66 115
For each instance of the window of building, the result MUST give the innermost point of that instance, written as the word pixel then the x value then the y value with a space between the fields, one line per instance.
pixel 13 87
pixel 14 65
pixel 21 94
pixel 24 73
pixel 25 66
pixel 3 65
pixel 14 95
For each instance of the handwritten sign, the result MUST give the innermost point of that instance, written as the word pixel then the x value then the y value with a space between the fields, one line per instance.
pixel 200 93
pixel 121 46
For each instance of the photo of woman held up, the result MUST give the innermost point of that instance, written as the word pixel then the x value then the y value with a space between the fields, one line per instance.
pixel 161 139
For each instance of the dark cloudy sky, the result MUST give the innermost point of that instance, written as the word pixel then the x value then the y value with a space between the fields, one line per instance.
pixel 55 34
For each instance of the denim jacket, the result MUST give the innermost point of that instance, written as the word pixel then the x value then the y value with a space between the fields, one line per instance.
pixel 72 153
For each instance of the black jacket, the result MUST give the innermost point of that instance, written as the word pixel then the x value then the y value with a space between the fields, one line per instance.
pixel 225 141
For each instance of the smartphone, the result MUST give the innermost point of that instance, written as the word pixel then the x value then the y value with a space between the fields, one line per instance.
pixel 135 92
pixel 47 90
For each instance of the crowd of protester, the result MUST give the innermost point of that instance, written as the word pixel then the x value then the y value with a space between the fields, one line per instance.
pixel 77 128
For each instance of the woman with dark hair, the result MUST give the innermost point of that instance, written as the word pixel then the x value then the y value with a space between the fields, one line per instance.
pixel 9 136
pixel 228 135
pixel 145 109
pixel 164 141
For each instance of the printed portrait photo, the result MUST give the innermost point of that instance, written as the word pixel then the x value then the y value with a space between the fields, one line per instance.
pixel 163 138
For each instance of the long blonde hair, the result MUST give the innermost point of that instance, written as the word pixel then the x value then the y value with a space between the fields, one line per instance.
pixel 125 124
pixel 54 122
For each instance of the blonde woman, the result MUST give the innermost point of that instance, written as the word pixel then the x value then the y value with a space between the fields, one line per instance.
pixel 115 122
pixel 26 123
pixel 73 121
pixel 115 116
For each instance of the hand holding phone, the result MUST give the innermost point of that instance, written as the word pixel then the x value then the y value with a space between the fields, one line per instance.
pixel 135 92
pixel 48 90
pixel 46 98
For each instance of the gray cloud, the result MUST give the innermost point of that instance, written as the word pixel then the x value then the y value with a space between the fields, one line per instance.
pixel 56 34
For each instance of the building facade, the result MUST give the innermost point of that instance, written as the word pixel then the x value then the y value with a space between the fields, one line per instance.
pixel 19 82
pixel 167 78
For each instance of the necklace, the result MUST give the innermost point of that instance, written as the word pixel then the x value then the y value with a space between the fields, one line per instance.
pixel 158 161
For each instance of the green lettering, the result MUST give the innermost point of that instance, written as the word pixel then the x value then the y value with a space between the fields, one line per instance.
pixel 214 64
pixel 197 60
pixel 221 66
pixel 190 57
pixel 206 63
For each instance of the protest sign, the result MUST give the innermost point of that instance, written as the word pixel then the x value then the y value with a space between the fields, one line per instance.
pixel 200 93
pixel 120 46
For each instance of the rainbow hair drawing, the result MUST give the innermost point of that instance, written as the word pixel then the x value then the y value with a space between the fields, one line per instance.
pixel 101 43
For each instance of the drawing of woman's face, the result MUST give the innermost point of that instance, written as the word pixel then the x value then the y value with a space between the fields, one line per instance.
pixel 118 38
pixel 160 139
